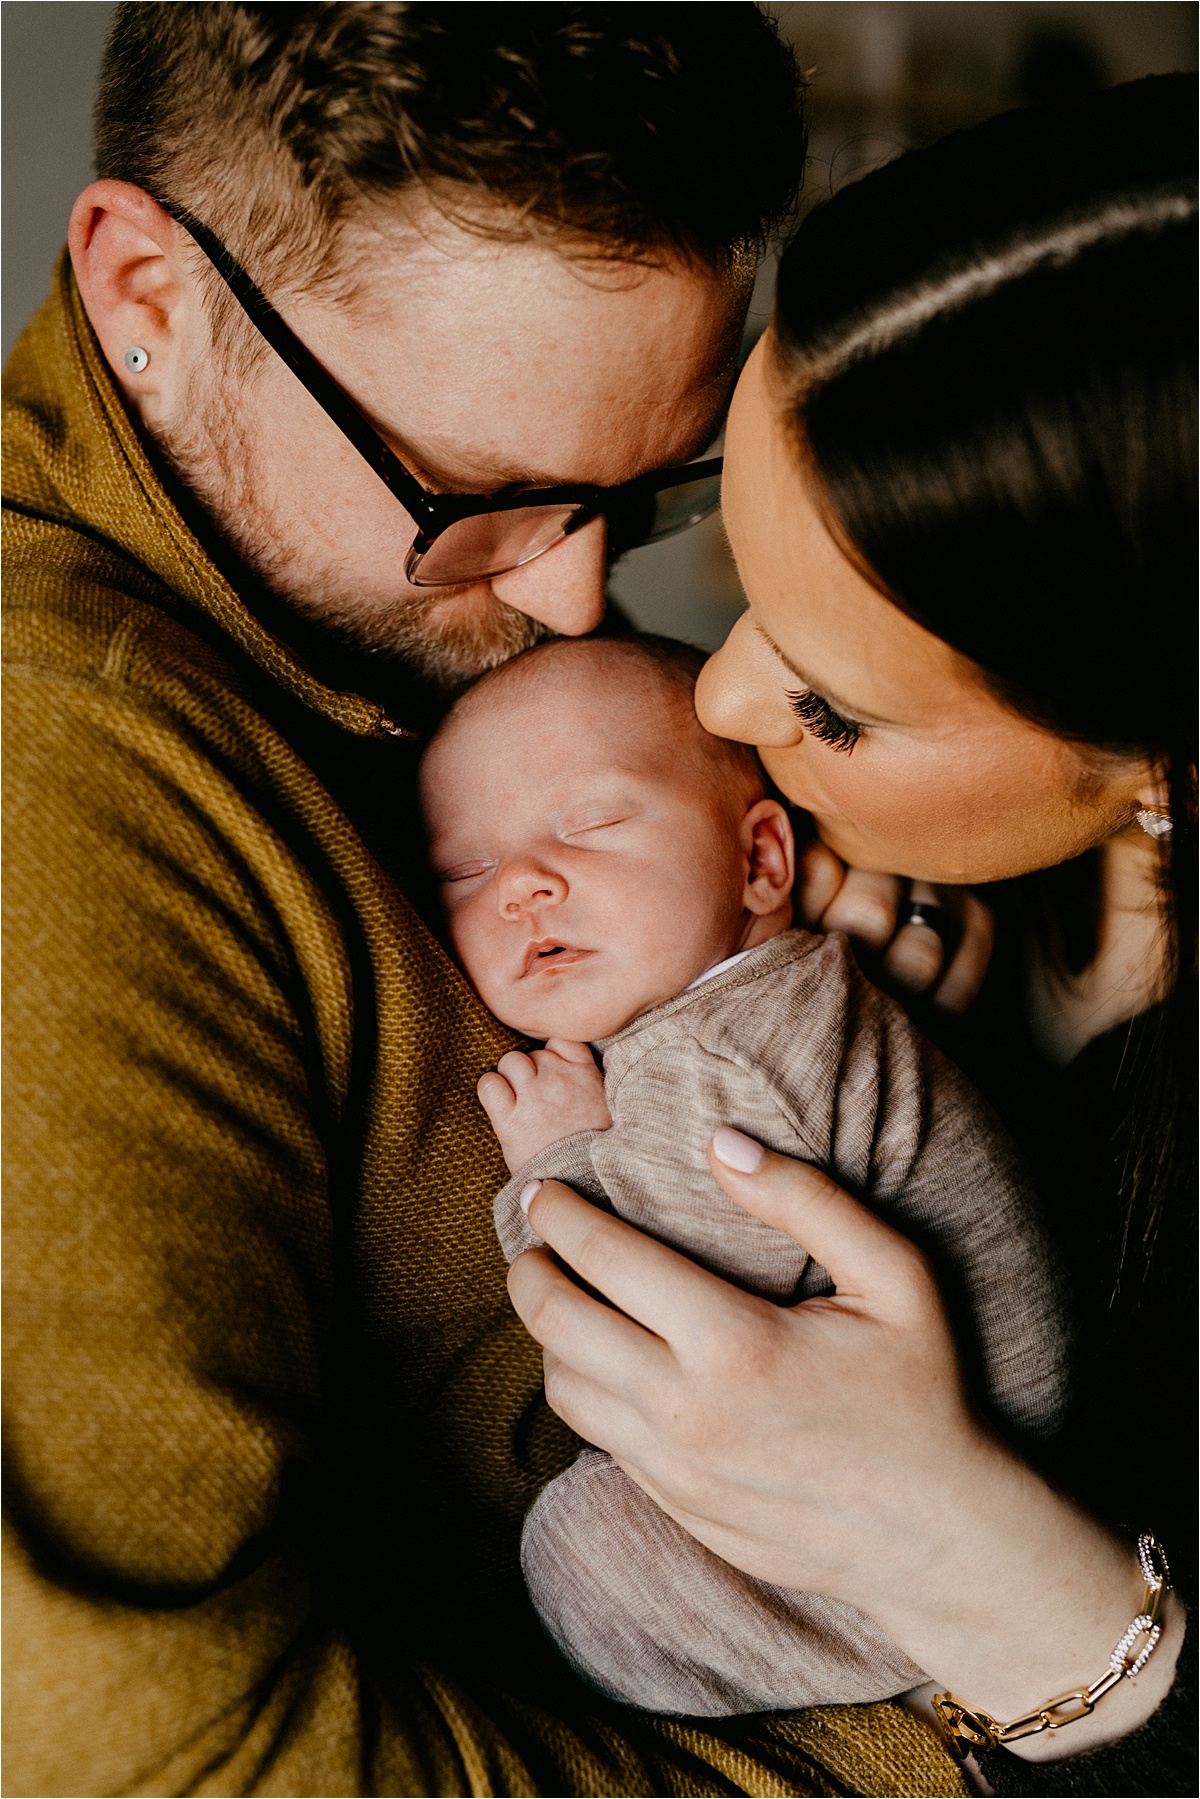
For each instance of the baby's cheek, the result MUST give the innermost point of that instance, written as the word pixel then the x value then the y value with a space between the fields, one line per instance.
pixel 476 952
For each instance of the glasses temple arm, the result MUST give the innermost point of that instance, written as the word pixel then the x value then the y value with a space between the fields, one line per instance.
pixel 331 398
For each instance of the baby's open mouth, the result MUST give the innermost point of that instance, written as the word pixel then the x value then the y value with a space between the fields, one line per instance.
pixel 550 954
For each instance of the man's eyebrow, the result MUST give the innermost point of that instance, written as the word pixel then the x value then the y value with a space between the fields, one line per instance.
pixel 503 475
pixel 500 476
pixel 425 469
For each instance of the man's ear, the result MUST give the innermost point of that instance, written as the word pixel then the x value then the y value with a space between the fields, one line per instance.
pixel 770 852
pixel 129 260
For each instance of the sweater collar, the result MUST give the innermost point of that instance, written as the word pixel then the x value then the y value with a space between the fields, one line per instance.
pixel 73 456
pixel 737 971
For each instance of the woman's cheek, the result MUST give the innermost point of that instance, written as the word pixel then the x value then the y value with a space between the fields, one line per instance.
pixel 882 817
pixel 992 798
pixel 793 773
pixel 847 788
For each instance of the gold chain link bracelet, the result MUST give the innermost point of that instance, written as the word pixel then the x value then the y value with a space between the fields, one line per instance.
pixel 967 1727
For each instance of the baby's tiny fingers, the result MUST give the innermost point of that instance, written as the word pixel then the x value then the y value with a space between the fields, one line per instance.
pixel 495 1096
pixel 517 1068
pixel 568 1050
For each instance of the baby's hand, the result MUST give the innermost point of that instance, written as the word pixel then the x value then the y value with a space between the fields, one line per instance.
pixel 536 1100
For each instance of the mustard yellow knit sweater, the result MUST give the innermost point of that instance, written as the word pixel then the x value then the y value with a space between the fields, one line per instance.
pixel 271 1425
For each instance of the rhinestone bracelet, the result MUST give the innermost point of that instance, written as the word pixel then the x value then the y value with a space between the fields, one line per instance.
pixel 967 1727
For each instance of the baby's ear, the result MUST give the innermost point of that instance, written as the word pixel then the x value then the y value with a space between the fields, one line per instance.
pixel 770 851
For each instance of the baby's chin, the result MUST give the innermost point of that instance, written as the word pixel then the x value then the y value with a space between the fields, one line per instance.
pixel 574 1027
pixel 578 1018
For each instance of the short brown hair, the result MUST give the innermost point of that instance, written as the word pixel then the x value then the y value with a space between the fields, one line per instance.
pixel 634 128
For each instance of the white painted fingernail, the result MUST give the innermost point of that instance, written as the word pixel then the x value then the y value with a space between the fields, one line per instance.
pixel 737 1151
pixel 527 1193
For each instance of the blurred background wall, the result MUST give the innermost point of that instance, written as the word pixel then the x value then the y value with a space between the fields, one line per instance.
pixel 886 75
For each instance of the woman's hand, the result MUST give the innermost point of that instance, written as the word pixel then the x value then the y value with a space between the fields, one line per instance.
pixel 826 1446
pixel 870 908
pixel 834 1386
pixel 829 1446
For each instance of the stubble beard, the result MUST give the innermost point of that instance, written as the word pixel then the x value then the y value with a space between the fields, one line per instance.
pixel 447 636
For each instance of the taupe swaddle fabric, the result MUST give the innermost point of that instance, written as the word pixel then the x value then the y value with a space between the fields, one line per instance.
pixel 794 1047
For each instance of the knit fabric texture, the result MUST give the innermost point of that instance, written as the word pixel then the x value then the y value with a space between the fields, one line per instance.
pixel 792 1046
pixel 272 1427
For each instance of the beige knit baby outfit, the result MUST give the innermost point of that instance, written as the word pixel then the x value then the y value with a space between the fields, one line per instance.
pixel 791 1045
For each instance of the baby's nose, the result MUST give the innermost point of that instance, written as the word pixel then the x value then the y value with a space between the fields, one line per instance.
pixel 524 884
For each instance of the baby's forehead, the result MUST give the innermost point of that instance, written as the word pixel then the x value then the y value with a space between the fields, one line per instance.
pixel 573 715
pixel 599 697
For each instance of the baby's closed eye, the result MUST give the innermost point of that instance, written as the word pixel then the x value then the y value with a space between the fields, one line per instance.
pixel 470 870
pixel 584 827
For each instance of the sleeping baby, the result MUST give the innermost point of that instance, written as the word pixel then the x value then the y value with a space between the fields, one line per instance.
pixel 617 884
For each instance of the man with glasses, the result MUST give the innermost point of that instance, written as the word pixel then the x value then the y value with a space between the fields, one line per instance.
pixel 383 330
pixel 463 538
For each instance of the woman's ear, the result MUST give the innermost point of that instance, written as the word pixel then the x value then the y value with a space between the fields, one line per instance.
pixel 127 253
pixel 770 852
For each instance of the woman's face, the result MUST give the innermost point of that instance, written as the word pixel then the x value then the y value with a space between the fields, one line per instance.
pixel 890 738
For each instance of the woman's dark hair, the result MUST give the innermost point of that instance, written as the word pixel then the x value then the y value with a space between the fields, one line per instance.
pixel 989 351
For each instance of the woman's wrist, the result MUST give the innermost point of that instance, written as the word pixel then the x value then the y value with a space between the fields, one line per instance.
pixel 1036 1734
pixel 1129 1705
pixel 1023 1599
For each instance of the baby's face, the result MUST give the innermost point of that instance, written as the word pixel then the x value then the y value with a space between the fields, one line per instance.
pixel 590 866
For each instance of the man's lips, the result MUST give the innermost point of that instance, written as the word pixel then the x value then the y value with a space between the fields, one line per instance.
pixel 548 954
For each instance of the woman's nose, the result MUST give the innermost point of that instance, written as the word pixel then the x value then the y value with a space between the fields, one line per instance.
pixel 741 692
pixel 525 885
pixel 564 588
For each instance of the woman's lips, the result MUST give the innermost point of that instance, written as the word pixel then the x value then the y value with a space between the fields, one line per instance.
pixel 550 954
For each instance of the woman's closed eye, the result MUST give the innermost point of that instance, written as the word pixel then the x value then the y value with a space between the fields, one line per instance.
pixel 819 718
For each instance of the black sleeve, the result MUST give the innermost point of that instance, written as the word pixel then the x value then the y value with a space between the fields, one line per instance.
pixel 1159 1760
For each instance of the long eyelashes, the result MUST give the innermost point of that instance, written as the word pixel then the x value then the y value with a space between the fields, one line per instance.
pixel 819 717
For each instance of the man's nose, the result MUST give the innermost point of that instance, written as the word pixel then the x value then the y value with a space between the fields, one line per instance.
pixel 564 588
pixel 527 885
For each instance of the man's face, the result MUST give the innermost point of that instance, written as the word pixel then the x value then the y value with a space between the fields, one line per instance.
pixel 483 364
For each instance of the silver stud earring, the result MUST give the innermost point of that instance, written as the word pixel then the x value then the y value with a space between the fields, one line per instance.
pixel 136 359
pixel 1155 824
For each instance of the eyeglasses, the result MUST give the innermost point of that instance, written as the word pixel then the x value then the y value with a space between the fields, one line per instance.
pixel 469 537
